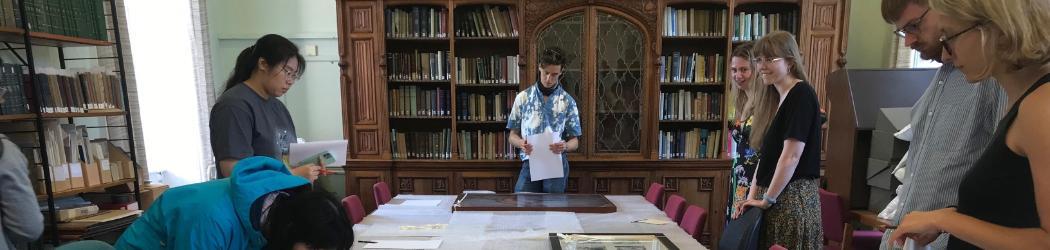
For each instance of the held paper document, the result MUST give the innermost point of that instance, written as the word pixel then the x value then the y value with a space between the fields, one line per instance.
pixel 543 163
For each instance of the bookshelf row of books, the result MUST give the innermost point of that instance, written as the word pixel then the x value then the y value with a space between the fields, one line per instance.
pixel 485 145
pixel 418 66
pixel 752 26
pixel 74 91
pixel 697 143
pixel 694 22
pixel 692 68
pixel 11 90
pixel 419 101
pixel 77 18
pixel 421 145
pixel 75 161
pixel 80 218
pixel 484 107
pixel 486 21
pixel 416 22
pixel 488 70
pixel 690 105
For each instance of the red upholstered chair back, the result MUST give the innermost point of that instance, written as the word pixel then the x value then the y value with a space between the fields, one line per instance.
pixel 382 193
pixel 354 209
pixel 674 208
pixel 693 221
pixel 655 194
pixel 832 215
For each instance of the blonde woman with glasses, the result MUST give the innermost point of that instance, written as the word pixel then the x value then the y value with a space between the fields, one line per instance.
pixel 786 129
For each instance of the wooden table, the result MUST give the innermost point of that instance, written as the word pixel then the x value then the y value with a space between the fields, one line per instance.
pixel 871 219
pixel 508 230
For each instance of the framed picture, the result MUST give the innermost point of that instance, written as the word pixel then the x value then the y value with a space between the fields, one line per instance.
pixel 610 241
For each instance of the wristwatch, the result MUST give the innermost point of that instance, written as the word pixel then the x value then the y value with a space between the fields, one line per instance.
pixel 771 201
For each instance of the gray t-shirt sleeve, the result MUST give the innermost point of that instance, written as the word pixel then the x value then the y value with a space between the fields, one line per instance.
pixel 22 220
pixel 231 131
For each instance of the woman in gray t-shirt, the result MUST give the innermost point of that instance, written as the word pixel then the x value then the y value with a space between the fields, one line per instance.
pixel 248 120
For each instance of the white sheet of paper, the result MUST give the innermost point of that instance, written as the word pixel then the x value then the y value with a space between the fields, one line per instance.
pixel 299 151
pixel 543 163
pixel 421 203
pixel 404 244
pixel 654 221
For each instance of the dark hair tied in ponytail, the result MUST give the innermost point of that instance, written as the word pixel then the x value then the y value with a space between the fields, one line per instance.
pixel 275 49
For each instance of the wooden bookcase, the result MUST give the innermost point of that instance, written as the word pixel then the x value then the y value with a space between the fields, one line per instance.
pixel 615 49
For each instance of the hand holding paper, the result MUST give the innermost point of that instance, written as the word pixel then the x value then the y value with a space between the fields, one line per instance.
pixel 558 147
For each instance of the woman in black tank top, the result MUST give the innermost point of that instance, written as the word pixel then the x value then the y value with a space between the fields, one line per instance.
pixel 999 207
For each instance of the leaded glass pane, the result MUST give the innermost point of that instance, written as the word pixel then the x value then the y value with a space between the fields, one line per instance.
pixel 620 60
pixel 567 33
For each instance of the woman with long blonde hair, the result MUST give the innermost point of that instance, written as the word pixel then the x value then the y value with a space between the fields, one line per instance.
pixel 743 73
pixel 1004 200
pixel 786 130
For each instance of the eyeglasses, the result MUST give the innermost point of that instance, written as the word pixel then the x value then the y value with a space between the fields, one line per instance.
pixel 759 60
pixel 293 74
pixel 911 27
pixel 944 40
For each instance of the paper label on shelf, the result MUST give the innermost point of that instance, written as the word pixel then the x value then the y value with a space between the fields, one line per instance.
pixel 105 165
pixel 60 173
pixel 75 170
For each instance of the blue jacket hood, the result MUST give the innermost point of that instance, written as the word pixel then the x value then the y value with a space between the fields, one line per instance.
pixel 252 178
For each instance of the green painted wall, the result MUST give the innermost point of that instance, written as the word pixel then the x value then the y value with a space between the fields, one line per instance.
pixel 314 101
pixel 869 36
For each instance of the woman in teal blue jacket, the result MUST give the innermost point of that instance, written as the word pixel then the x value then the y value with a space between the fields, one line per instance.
pixel 260 206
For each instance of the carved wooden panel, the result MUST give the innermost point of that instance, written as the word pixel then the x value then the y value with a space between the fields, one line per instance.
pixel 620 184
pixel 360 183
pixel 706 189
pixel 496 184
pixel 470 183
pixel 367 141
pixel 362 20
pixel 439 185
pixel 424 183
pixel 364 84
pixel 824 16
pixel 819 63
pixel 572 185
pixel 405 185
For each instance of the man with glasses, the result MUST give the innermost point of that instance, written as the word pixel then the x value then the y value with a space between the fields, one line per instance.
pixel 950 123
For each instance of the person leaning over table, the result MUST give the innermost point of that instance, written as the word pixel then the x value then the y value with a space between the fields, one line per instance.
pixel 261 206
pixel 1004 200
pixel 545 106
pixel 950 123
pixel 248 119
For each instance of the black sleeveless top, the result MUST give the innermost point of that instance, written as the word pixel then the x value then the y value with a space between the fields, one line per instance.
pixel 999 189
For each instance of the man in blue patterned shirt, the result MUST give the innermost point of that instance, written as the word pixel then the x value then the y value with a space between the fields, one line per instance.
pixel 545 106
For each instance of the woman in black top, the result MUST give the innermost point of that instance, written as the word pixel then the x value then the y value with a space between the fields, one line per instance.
pixel 786 129
pixel 1004 201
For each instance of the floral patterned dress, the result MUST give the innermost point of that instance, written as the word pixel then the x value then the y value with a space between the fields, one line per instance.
pixel 745 159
